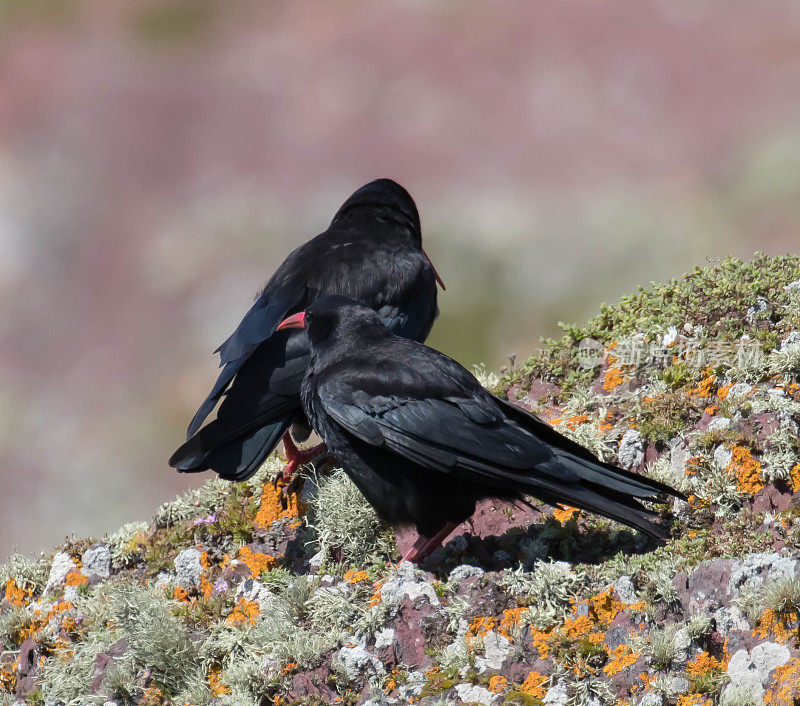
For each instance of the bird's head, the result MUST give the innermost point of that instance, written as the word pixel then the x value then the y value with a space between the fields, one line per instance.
pixel 385 201
pixel 334 318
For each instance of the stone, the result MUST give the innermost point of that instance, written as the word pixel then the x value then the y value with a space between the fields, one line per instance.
pixel 792 285
pixel 188 568
pixel 384 638
pixel 96 561
pixel 631 449
pixel 413 686
pixel 624 589
pixel 557 695
pixel 740 389
pixel 464 571
pixel 356 662
pixel 61 566
pixel 316 561
pixel 495 650
pixel 730 618
pixel 472 693
pixel 749 570
pixel 651 699
pixel 252 590
pixel 718 424
pixel 791 340
pixel 404 583
pixel 722 455
pixel 682 643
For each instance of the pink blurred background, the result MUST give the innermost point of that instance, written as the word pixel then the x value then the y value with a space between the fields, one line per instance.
pixel 159 159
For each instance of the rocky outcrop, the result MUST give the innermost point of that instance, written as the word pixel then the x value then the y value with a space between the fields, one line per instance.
pixel 259 593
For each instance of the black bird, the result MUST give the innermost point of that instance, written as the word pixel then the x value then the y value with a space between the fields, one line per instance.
pixel 423 441
pixel 372 251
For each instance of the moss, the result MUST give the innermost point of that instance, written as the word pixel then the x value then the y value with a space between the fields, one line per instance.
pixel 713 299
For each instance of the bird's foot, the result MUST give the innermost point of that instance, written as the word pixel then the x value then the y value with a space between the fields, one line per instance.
pixel 425 546
pixel 297 457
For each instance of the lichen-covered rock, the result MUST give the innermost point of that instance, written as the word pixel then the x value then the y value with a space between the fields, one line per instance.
pixel 262 592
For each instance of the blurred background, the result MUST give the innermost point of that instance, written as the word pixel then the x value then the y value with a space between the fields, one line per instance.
pixel 159 159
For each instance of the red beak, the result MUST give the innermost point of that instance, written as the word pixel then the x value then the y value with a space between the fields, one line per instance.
pixel 297 320
pixel 435 273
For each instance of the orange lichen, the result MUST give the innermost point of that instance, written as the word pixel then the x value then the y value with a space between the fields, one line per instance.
pixel 607 423
pixel 603 607
pixel 564 513
pixel 613 378
pixel 711 410
pixel 181 594
pixel 15 595
pixel 75 578
pixel 723 391
pixel 770 624
pixel 573 627
pixel 786 687
pixel 511 617
pixel 497 683
pixel 391 681
pixel 705 388
pixel 794 477
pixel 703 664
pixel 215 683
pixel 693 700
pixel 534 685
pixel 257 562
pixel 206 587
pixel 576 419
pixel 276 506
pixel 290 668
pixel 353 576
pixel 746 470
pixel 245 612
pixel 481 625
pixel 621 657
pixel 8 676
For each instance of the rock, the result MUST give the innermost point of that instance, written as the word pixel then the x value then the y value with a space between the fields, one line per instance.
pixel 404 583
pixel 682 643
pixel 96 561
pixel 252 590
pixel 719 423
pixel 792 285
pixel 384 638
pixel 651 699
pixel 413 686
pixel 557 695
pixel 631 449
pixel 679 685
pixel 316 561
pixel 61 566
pixel 356 662
pixel 754 310
pixel 624 589
pixel 495 650
pixel 791 340
pixel 722 455
pixel 472 693
pixel 464 571
pixel 678 455
pixel 749 570
pixel 740 389
pixel 188 568
pixel 730 618
pixel 750 671
pixel 616 636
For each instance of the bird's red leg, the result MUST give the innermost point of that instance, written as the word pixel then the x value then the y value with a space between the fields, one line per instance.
pixel 424 547
pixel 297 457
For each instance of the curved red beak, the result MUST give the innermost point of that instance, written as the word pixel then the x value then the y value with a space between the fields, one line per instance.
pixel 297 320
pixel 435 273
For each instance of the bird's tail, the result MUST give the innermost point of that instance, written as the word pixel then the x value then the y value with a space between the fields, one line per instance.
pixel 235 454
pixel 574 476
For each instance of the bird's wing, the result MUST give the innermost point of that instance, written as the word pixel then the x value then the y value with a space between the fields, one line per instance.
pixel 460 430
